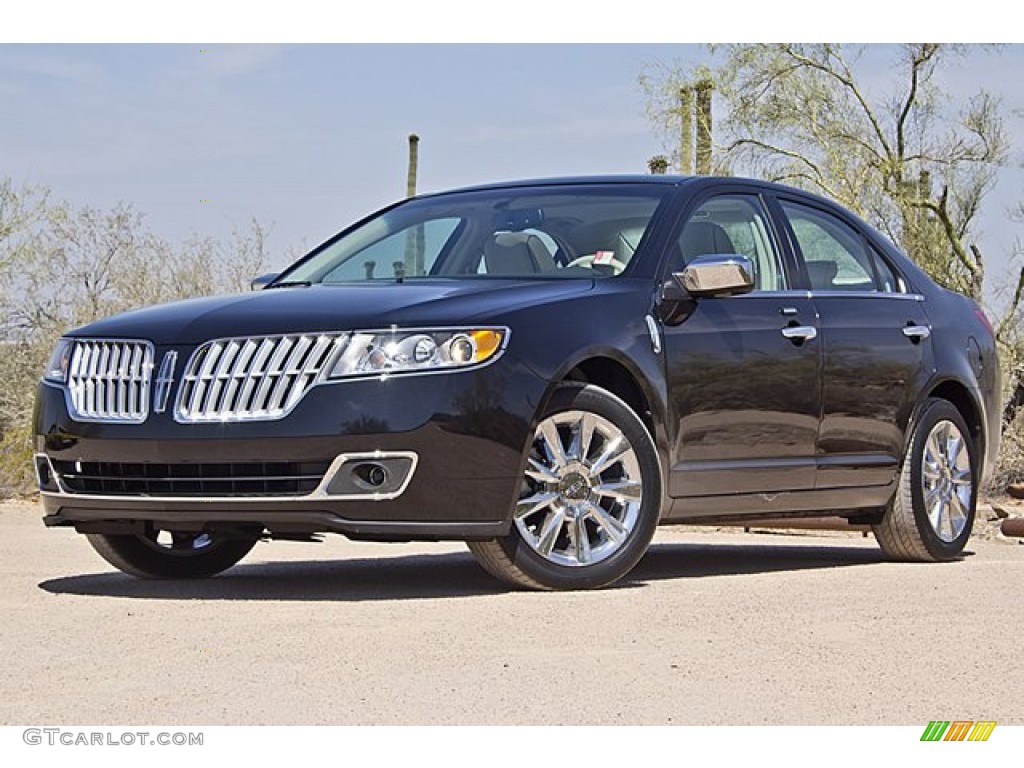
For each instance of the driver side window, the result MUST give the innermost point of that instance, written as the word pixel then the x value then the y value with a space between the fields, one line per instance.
pixel 733 224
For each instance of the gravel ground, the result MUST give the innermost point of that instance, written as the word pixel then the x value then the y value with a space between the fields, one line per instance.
pixel 713 627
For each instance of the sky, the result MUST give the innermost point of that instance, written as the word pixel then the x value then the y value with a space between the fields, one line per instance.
pixel 308 138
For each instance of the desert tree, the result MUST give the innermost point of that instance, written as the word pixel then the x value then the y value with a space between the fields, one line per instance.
pixel 62 266
pixel 890 146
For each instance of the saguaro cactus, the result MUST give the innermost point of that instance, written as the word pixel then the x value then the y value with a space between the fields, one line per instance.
pixel 704 126
pixel 414 161
pixel 686 129
pixel 414 240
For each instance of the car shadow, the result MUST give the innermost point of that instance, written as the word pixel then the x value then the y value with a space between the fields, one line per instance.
pixel 448 575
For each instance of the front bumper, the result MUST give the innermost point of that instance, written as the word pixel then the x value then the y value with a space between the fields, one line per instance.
pixel 467 430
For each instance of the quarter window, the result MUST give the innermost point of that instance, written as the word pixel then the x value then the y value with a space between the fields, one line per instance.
pixel 733 224
pixel 888 280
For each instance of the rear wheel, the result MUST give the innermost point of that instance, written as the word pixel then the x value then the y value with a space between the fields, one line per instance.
pixel 931 516
pixel 590 497
pixel 160 554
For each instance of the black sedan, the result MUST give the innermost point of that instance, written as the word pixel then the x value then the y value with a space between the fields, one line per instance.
pixel 544 369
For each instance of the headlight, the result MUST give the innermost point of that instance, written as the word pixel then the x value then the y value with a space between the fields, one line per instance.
pixel 416 351
pixel 57 367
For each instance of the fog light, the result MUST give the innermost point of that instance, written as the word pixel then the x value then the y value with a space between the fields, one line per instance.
pixel 371 475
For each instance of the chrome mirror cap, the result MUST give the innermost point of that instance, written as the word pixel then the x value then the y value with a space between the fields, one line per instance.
pixel 717 275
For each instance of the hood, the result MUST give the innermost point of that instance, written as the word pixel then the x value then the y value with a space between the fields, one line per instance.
pixel 332 308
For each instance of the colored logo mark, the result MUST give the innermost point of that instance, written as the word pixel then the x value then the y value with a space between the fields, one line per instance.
pixel 958 730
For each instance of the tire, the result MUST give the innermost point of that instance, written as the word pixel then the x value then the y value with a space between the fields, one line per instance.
pixel 170 555
pixel 932 512
pixel 590 499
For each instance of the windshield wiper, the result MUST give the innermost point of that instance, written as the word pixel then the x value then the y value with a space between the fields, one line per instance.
pixel 290 284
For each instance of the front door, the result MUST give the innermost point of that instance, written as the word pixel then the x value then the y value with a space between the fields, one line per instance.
pixel 743 371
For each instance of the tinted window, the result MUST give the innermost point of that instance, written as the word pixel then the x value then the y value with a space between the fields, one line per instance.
pixel 557 231
pixel 834 253
pixel 733 224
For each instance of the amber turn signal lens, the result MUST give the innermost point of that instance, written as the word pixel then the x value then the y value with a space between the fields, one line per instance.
pixel 487 343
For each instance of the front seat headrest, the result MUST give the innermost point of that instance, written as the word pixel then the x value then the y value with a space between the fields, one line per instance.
pixel 705 238
pixel 517 253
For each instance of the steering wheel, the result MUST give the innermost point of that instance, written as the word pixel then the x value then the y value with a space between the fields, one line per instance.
pixel 588 261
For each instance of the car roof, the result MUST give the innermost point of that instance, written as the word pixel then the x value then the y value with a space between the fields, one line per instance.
pixel 662 180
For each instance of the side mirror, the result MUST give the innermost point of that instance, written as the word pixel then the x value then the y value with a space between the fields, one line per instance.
pixel 261 282
pixel 717 275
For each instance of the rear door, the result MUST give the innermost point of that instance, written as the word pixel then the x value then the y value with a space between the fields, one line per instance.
pixel 875 339
pixel 742 371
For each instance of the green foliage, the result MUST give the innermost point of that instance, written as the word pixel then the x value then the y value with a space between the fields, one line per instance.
pixel 658 165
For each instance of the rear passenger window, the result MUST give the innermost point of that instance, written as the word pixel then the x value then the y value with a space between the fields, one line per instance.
pixel 834 253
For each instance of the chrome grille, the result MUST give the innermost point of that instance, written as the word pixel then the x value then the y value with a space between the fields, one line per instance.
pixel 253 378
pixel 108 380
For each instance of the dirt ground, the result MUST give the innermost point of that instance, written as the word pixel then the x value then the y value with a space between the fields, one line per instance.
pixel 712 628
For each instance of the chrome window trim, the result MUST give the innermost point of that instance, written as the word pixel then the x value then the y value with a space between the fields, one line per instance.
pixel 866 295
pixel 317 494
pixel 796 294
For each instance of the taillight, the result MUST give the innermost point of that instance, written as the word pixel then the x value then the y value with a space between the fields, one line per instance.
pixel 980 314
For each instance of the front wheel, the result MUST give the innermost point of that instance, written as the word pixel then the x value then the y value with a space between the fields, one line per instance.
pixel 159 554
pixel 932 512
pixel 590 497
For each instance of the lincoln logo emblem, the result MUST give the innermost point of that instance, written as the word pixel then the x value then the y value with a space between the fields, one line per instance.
pixel 164 379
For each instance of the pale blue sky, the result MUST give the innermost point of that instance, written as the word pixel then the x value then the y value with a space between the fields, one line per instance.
pixel 307 138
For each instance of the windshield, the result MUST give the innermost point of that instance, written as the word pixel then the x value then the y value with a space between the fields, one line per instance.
pixel 547 232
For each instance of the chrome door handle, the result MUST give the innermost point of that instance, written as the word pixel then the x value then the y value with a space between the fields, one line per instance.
pixel 917 332
pixel 800 332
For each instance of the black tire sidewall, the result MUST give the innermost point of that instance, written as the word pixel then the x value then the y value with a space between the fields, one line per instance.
pixel 134 555
pixel 934 412
pixel 605 404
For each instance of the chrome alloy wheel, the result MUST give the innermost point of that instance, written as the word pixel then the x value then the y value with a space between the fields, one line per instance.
pixel 946 480
pixel 582 491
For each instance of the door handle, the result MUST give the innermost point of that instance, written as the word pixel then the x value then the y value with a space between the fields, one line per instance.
pixel 917 332
pixel 800 333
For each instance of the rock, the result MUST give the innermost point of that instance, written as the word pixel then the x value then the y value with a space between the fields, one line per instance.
pixel 1013 526
pixel 1000 512
pixel 1016 490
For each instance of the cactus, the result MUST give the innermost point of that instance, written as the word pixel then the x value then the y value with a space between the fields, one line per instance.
pixel 686 130
pixel 414 162
pixel 703 89
pixel 414 239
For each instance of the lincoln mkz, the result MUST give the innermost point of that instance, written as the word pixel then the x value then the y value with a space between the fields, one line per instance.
pixel 546 370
